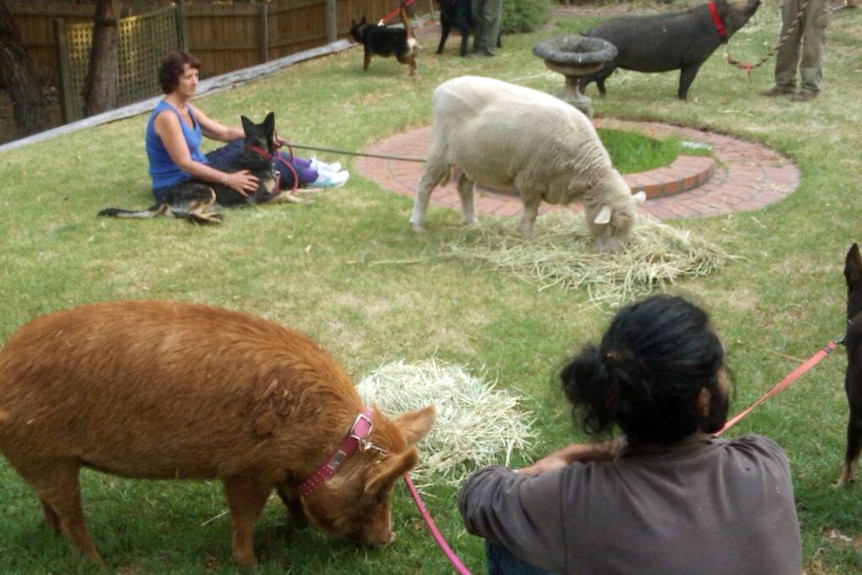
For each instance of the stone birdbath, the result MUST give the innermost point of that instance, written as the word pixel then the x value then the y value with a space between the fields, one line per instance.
pixel 574 56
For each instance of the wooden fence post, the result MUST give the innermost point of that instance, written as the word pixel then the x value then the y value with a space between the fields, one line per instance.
pixel 181 26
pixel 331 24
pixel 61 41
pixel 264 32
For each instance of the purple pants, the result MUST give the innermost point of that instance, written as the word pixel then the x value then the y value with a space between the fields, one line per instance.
pixel 228 154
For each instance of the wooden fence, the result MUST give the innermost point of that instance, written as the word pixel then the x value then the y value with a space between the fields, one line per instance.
pixel 224 37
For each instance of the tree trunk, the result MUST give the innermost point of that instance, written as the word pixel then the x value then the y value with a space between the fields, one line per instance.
pixel 16 71
pixel 100 86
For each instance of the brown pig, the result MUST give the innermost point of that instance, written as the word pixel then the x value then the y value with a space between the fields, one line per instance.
pixel 162 390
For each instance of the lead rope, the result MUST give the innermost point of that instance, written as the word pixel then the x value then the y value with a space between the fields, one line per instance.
pixel 749 67
pixel 791 377
pixel 438 538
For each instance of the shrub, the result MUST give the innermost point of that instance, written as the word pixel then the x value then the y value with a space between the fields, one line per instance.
pixel 525 15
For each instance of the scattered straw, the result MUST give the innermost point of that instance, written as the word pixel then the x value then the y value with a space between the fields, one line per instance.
pixel 476 425
pixel 561 253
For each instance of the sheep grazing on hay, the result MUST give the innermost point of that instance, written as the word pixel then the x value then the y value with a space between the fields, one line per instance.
pixel 476 425
pixel 507 136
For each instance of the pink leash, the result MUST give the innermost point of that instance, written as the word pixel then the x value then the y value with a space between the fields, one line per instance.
pixel 793 376
pixel 438 538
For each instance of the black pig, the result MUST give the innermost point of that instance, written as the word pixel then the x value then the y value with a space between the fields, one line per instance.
pixel 672 41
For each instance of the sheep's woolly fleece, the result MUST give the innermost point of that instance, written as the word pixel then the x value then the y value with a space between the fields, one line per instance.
pixel 561 253
pixel 476 425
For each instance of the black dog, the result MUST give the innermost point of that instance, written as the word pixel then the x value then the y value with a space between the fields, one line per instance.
pixel 454 13
pixel 197 200
pixel 384 41
pixel 853 376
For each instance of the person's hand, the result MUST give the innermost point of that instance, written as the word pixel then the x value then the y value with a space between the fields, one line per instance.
pixel 582 452
pixel 241 182
pixel 545 464
pixel 278 141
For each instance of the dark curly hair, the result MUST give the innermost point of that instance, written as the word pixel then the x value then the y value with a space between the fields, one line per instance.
pixel 647 372
pixel 172 67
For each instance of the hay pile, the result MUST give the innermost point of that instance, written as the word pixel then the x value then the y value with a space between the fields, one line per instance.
pixel 561 253
pixel 476 425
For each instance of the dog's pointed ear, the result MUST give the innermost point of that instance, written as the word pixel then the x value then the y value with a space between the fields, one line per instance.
pixel 269 123
pixel 269 129
pixel 363 21
pixel 247 125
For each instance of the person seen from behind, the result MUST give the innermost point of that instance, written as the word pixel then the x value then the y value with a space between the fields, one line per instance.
pixel 668 496
pixel 176 128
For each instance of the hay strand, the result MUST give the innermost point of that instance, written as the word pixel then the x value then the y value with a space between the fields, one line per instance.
pixel 476 426
pixel 562 254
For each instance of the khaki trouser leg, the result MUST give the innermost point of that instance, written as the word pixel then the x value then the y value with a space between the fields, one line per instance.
pixel 803 47
pixel 813 44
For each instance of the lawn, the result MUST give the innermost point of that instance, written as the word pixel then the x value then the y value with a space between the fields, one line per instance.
pixel 348 271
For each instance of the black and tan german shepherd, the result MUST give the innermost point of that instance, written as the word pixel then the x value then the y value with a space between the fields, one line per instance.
pixel 379 40
pixel 197 201
pixel 853 376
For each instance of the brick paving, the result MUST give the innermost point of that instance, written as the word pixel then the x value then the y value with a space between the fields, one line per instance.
pixel 739 176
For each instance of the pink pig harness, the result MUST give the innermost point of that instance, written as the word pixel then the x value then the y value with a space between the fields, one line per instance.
pixel 356 438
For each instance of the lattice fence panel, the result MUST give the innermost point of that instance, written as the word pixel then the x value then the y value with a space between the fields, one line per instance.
pixel 143 41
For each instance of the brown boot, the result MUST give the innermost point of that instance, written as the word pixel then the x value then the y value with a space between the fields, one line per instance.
pixel 803 97
pixel 777 91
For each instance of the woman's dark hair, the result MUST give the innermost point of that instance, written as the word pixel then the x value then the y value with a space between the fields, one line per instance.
pixel 172 67
pixel 646 374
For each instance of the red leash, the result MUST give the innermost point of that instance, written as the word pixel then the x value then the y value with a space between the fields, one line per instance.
pixel 793 376
pixel 438 538
pixel 394 12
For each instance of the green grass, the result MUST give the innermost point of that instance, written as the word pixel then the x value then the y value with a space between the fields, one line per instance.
pixel 348 272
pixel 631 152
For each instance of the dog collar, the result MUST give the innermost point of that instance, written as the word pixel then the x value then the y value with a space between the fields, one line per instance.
pixel 355 438
pixel 259 151
pixel 716 20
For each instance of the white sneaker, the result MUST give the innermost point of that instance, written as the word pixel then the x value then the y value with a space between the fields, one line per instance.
pixel 319 166
pixel 330 179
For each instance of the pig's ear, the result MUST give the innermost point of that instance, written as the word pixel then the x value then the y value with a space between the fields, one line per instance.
pixel 387 472
pixel 604 215
pixel 414 425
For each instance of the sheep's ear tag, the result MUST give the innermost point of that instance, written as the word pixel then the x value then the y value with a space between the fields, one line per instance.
pixel 604 216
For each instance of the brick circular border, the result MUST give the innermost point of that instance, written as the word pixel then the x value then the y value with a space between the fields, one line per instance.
pixel 739 176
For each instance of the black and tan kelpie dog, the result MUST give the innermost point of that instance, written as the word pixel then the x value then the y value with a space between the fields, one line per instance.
pixel 379 40
pixel 197 201
pixel 853 376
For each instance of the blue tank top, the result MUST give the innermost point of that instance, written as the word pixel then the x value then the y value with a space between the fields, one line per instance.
pixel 163 171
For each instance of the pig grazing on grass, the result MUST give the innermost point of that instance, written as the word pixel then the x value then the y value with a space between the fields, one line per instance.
pixel 507 136
pixel 162 390
pixel 671 41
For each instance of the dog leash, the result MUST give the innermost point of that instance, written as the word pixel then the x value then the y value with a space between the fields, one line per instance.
pixel 438 537
pixel 790 378
pixel 360 154
pixel 394 12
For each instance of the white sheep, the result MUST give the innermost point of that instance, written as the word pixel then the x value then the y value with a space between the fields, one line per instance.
pixel 507 136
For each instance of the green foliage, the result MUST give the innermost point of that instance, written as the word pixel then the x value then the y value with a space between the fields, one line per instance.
pixel 525 15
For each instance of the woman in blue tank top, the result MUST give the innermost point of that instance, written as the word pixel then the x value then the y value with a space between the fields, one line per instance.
pixel 176 129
